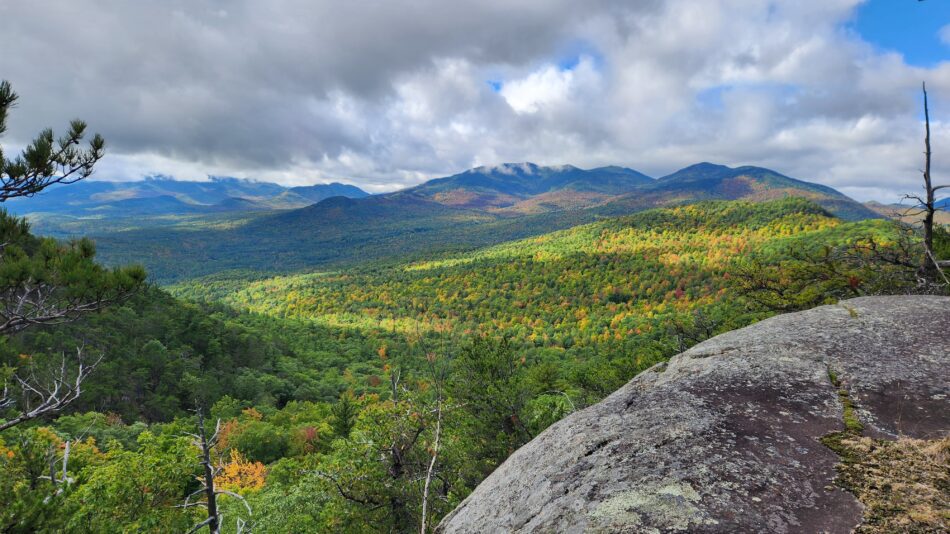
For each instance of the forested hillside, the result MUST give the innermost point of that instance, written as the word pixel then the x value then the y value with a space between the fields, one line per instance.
pixel 336 389
pixel 341 267
pixel 480 207
pixel 334 233
pixel 591 295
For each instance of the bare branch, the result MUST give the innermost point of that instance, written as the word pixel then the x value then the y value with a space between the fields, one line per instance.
pixel 49 395
pixel 191 504
pixel 210 471
pixel 238 497
pixel 344 493
pixel 28 302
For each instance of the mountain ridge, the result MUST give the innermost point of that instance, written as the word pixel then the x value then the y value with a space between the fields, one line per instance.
pixel 217 194
pixel 513 189
pixel 508 189
pixel 507 184
pixel 709 181
pixel 479 207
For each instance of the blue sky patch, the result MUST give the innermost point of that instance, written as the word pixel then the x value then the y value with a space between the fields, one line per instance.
pixel 906 26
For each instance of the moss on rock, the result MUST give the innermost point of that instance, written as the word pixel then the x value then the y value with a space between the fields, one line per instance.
pixel 904 484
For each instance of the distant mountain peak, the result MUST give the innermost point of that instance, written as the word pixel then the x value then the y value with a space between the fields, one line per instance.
pixel 530 188
pixel 318 192
pixel 707 166
pixel 337 201
pixel 224 179
pixel 703 170
pixel 710 181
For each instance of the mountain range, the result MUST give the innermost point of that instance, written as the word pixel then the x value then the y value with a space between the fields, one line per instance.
pixel 529 188
pixel 186 229
pixel 526 188
pixel 166 196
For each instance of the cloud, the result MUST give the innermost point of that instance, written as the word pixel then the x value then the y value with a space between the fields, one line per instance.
pixel 302 91
pixel 549 86
pixel 944 34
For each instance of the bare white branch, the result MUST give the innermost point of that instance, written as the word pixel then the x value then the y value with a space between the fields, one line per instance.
pixel 50 394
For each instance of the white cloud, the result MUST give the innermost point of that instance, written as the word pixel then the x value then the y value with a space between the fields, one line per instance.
pixel 546 87
pixel 945 34
pixel 388 97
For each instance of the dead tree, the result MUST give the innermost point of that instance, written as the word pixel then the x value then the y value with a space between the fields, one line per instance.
pixel 438 363
pixel 209 472
pixel 45 393
pixel 926 204
pixel 59 482
pixel 438 379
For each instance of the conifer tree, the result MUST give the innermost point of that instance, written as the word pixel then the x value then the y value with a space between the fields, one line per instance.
pixel 44 281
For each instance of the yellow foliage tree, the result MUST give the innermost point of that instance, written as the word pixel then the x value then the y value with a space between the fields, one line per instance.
pixel 240 475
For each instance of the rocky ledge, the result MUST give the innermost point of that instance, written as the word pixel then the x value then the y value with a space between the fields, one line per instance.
pixel 726 437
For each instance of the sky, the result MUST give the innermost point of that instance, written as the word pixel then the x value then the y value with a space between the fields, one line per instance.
pixel 386 94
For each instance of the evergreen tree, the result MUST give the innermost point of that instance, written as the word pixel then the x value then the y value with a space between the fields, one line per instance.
pixel 43 281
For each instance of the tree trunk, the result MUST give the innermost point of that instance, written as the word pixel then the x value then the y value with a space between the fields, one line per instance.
pixel 213 526
pixel 928 184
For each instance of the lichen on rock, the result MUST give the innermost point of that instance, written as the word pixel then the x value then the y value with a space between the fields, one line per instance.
pixel 670 504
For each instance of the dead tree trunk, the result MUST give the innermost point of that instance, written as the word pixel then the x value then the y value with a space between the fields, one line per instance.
pixel 210 496
pixel 928 184
pixel 214 519
pixel 930 267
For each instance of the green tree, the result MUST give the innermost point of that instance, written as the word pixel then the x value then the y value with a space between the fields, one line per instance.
pixel 138 491
pixel 261 441
pixel 489 380
pixel 45 161
pixel 344 414
pixel 43 281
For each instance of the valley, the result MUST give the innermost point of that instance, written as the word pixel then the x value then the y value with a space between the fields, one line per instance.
pixel 463 212
pixel 508 266
pixel 297 365
pixel 389 304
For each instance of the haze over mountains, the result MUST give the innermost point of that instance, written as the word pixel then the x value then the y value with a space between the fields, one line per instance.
pixel 196 228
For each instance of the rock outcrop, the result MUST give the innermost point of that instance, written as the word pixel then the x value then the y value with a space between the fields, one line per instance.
pixel 726 436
